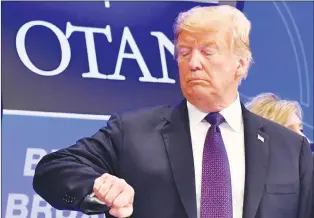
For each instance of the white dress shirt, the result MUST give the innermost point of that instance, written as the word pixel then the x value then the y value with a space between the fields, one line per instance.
pixel 233 136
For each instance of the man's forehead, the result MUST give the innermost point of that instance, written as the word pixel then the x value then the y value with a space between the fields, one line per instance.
pixel 199 37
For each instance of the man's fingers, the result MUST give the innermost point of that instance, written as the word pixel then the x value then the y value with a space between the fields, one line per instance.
pixel 103 190
pixel 99 181
pixel 114 192
pixel 126 197
pixel 122 212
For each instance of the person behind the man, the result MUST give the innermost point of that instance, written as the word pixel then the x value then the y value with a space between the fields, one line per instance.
pixel 207 157
pixel 285 112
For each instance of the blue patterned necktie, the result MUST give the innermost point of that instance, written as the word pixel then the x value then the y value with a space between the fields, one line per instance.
pixel 216 195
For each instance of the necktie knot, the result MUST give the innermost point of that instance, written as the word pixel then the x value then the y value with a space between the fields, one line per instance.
pixel 215 119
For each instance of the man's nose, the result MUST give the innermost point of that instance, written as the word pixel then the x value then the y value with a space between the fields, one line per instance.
pixel 195 61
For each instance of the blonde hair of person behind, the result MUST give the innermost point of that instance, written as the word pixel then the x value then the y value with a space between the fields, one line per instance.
pixel 273 108
pixel 205 18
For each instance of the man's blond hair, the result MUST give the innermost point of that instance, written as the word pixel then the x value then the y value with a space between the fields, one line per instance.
pixel 208 18
pixel 273 108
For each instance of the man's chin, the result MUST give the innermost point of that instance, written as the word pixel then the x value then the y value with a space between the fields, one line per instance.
pixel 200 92
pixel 201 88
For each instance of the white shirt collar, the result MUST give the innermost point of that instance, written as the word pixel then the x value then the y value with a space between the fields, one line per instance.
pixel 232 115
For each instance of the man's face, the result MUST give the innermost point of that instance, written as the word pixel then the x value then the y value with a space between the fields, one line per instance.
pixel 207 65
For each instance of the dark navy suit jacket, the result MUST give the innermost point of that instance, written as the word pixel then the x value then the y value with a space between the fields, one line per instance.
pixel 151 149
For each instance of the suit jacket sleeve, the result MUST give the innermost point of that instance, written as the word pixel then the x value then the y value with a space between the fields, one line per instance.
pixel 65 177
pixel 306 179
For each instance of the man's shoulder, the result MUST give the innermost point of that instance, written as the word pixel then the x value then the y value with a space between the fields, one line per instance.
pixel 145 114
pixel 278 131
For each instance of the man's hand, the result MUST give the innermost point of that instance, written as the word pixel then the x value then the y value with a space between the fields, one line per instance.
pixel 116 194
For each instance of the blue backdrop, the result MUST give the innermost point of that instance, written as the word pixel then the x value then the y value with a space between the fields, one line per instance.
pixel 69 59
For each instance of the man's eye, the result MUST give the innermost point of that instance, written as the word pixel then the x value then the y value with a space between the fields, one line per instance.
pixel 184 52
pixel 209 52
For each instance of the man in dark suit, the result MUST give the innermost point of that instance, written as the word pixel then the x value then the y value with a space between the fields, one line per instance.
pixel 207 157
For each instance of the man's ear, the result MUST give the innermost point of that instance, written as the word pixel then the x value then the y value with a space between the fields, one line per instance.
pixel 242 68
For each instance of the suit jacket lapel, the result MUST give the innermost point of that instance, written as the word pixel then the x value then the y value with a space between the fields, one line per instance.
pixel 176 135
pixel 256 161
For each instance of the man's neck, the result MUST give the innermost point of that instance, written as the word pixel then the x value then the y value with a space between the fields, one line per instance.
pixel 214 105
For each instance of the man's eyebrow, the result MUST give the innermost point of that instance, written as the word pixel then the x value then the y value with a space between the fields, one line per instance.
pixel 182 45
